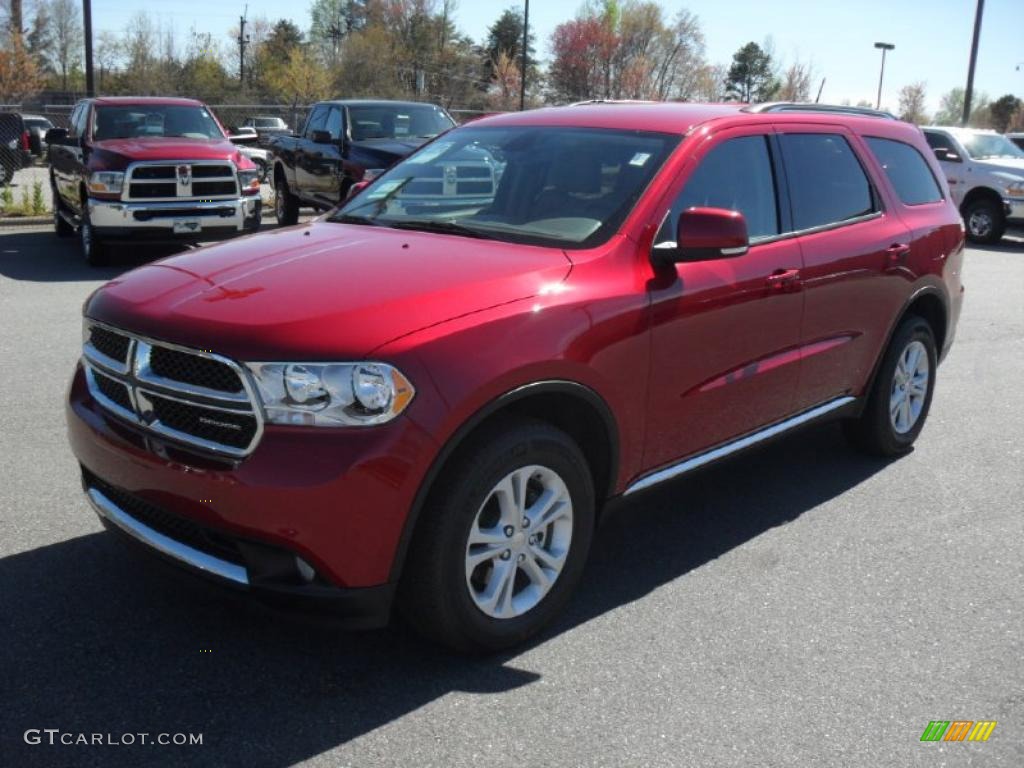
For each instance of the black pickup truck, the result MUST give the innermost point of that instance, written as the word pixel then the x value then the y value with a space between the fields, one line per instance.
pixel 344 142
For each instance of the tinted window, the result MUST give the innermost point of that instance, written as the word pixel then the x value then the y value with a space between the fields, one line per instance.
pixel 150 121
pixel 826 182
pixel 736 175
pixel 910 175
pixel 316 121
pixel 939 141
pixel 334 123
pixel 397 121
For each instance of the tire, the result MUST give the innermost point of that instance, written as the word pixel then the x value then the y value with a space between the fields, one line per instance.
pixel 6 174
pixel 445 597
pixel 94 251
pixel 984 221
pixel 885 431
pixel 286 205
pixel 60 224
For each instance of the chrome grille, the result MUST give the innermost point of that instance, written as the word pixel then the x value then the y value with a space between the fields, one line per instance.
pixel 187 395
pixel 206 180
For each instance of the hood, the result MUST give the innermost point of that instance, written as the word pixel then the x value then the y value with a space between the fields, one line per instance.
pixel 320 292
pixel 116 154
pixel 1012 166
pixel 389 150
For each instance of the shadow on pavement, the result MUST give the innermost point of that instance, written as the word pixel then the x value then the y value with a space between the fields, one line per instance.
pixel 101 638
pixel 38 255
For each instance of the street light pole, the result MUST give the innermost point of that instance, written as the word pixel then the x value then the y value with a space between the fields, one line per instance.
pixel 969 93
pixel 526 56
pixel 884 47
pixel 90 85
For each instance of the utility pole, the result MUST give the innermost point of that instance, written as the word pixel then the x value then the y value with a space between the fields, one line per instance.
pixel 969 92
pixel 526 56
pixel 881 75
pixel 90 84
pixel 242 42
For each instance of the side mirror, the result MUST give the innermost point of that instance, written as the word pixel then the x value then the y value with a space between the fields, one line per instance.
pixel 56 135
pixel 704 234
pixel 355 189
pixel 322 137
pixel 946 156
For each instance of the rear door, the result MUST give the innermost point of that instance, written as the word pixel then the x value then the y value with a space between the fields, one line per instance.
pixel 725 332
pixel 849 240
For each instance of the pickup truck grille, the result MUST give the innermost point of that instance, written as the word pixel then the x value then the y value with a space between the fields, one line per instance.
pixel 204 180
pixel 453 180
pixel 186 395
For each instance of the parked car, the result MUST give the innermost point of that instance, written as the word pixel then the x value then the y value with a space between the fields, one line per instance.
pixel 259 157
pixel 144 168
pixel 15 146
pixel 985 172
pixel 37 126
pixel 431 406
pixel 1016 138
pixel 344 142
pixel 266 127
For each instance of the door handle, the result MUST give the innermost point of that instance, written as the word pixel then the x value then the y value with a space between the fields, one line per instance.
pixel 897 253
pixel 784 280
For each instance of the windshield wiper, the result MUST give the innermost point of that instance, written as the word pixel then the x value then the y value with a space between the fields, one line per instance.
pixel 442 227
pixel 348 218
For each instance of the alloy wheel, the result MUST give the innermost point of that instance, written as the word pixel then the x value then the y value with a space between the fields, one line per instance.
pixel 909 387
pixel 519 541
pixel 980 223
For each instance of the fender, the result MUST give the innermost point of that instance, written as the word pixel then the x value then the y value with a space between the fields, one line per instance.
pixel 519 393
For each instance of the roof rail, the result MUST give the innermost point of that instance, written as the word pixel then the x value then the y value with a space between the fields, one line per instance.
pixel 585 102
pixel 798 106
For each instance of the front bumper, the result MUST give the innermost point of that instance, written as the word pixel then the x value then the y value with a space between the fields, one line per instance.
pixel 177 220
pixel 1014 208
pixel 338 499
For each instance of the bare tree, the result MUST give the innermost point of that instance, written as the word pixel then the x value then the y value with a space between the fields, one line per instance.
pixel 912 101
pixel 796 82
pixel 68 38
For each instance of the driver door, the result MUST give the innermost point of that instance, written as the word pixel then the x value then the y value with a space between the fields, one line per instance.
pixel 725 332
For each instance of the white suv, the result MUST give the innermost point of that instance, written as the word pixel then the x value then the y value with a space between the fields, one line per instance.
pixel 985 171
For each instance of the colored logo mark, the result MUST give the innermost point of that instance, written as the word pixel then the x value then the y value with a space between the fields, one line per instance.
pixel 958 730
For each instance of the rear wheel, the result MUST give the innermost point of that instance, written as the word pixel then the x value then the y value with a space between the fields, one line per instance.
pixel 984 221
pixel 901 395
pixel 503 542
pixel 60 224
pixel 286 205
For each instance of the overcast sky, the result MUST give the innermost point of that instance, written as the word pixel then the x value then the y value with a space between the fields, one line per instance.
pixel 932 37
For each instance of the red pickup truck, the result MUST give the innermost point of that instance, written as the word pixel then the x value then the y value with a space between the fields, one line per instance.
pixel 143 168
pixel 428 396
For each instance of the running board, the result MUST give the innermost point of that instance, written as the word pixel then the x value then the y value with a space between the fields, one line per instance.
pixel 701 459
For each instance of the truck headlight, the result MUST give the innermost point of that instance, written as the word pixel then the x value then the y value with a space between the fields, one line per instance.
pixel 331 394
pixel 1015 189
pixel 106 182
pixel 249 180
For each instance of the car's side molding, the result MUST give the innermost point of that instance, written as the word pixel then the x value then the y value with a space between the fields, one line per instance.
pixel 557 386
pixel 735 446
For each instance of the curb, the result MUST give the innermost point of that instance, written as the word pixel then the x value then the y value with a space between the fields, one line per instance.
pixel 24 221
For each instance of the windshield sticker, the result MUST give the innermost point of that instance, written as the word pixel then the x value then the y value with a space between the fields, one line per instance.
pixel 385 189
pixel 640 159
pixel 432 152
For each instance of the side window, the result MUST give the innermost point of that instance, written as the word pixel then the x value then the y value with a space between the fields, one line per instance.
pixel 317 120
pixel 909 173
pixel 826 182
pixel 736 175
pixel 82 121
pixel 939 141
pixel 334 122
pixel 73 131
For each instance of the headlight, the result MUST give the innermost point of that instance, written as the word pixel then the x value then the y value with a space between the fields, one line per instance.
pixel 249 179
pixel 106 182
pixel 372 173
pixel 331 394
pixel 1015 189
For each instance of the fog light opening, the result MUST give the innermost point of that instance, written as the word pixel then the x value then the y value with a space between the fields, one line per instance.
pixel 306 571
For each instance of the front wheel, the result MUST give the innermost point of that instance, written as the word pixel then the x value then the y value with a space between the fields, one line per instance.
pixel 901 395
pixel 503 541
pixel 94 251
pixel 984 222
pixel 286 205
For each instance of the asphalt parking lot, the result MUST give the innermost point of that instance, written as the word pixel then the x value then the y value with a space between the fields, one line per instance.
pixel 798 606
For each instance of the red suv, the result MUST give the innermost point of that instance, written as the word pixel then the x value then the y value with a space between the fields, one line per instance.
pixel 427 396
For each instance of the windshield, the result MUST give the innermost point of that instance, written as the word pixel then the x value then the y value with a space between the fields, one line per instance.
pixel 981 146
pixel 269 122
pixel 155 121
pixel 560 186
pixel 397 121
